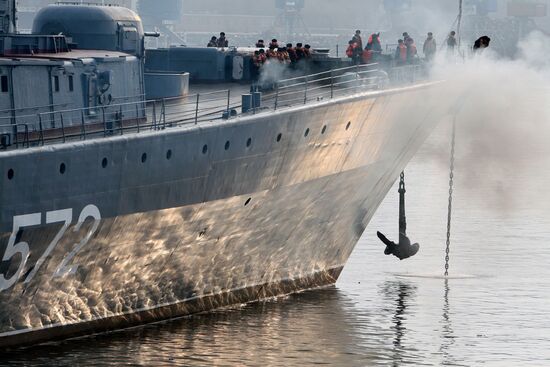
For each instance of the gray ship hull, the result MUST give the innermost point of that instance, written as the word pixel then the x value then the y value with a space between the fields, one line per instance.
pixel 113 232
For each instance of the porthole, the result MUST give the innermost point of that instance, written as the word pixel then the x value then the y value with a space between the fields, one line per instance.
pixel 144 158
pixel 104 163
pixel 324 130
pixel 279 137
pixel 169 154
pixel 248 202
pixel 348 125
pixel 249 142
pixel 306 133
pixel 227 145
pixel 62 168
pixel 11 173
pixel 205 149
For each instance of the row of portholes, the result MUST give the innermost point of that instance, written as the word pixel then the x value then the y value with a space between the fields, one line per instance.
pixel 105 161
pixel 323 131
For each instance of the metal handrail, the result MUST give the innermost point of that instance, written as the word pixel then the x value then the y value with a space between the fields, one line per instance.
pixel 137 116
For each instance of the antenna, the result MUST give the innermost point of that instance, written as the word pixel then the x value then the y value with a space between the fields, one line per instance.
pixel 459 22
pixel 8 17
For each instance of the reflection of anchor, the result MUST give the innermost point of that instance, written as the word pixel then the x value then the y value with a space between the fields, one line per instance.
pixel 403 249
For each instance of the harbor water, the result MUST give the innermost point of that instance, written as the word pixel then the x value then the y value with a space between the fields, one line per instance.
pixel 491 311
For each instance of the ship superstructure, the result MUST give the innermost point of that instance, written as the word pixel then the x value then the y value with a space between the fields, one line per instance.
pixel 77 57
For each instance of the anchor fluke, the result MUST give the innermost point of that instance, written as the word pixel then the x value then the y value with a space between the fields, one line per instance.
pixel 402 250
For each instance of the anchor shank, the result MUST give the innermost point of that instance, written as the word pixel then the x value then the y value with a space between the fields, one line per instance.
pixel 402 216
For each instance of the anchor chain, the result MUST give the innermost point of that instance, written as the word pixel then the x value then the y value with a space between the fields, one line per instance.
pixel 450 208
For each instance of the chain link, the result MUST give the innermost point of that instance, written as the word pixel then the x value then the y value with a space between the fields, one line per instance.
pixel 450 209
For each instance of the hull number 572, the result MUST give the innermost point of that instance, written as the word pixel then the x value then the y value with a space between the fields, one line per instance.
pixel 65 216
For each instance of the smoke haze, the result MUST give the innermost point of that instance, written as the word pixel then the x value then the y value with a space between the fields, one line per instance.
pixel 503 118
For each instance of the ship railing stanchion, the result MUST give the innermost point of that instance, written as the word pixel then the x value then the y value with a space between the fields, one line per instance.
pixel 163 113
pixel 104 122
pixel 197 109
pixel 82 124
pixel 305 90
pixel 41 129
pixel 154 116
pixel 138 116
pixel 15 135
pixel 276 95
pixel 121 118
pixel 228 100
pixel 331 84
pixel 62 127
pixel 27 135
pixel 356 77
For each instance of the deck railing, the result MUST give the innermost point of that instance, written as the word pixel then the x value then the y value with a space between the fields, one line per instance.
pixel 26 130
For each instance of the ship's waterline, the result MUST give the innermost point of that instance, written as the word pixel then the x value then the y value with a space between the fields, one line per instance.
pixel 152 235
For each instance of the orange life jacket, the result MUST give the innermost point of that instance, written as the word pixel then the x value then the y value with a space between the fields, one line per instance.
pixel 402 52
pixel 351 49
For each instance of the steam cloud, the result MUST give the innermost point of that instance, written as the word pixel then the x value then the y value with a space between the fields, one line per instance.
pixel 503 116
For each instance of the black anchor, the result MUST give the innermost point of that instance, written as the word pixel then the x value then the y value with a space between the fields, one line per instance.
pixel 404 249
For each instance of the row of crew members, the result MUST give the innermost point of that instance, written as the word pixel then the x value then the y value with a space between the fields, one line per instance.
pixel 285 55
pixel 405 53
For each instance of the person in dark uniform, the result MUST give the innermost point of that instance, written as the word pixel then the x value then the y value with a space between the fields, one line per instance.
pixel 307 51
pixel 300 54
pixel 481 43
pixel 402 250
pixel 213 42
pixel 222 41
pixel 357 39
pixel 260 44
pixel 274 43
pixel 291 53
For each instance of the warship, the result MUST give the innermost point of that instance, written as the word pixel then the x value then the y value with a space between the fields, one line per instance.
pixel 126 200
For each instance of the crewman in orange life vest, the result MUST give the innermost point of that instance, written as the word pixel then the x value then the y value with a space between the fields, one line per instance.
pixel 401 53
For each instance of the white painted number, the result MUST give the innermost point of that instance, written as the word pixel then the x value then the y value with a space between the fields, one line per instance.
pixel 91 211
pixel 64 216
pixel 21 248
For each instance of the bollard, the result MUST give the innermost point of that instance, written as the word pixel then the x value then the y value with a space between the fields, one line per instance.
pixel 257 99
pixel 246 102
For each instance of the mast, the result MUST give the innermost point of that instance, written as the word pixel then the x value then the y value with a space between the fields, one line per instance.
pixel 459 22
pixel 8 17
